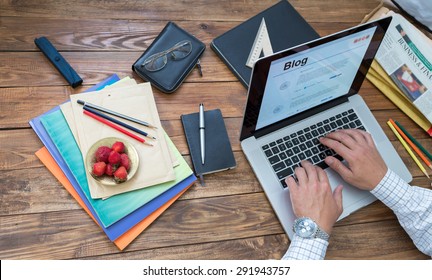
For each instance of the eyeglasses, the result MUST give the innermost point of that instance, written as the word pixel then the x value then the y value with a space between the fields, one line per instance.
pixel 177 52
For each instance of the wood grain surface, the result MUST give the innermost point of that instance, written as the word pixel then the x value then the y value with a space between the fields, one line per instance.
pixel 231 218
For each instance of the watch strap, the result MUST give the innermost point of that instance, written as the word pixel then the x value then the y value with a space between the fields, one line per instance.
pixel 322 234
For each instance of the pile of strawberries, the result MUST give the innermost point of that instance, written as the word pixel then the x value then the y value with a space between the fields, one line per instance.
pixel 113 162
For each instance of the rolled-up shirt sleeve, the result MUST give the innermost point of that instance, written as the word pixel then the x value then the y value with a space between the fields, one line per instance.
pixel 412 206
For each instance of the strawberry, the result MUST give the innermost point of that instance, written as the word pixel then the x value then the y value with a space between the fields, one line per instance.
pixel 99 168
pixel 110 169
pixel 119 147
pixel 102 154
pixel 114 158
pixel 125 161
pixel 120 175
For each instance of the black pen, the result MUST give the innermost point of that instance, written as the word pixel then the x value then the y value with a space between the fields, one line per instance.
pixel 108 111
pixel 97 113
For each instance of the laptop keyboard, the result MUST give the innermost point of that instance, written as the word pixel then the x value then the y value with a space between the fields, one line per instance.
pixel 286 153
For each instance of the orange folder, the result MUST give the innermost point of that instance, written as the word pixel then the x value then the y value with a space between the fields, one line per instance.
pixel 124 240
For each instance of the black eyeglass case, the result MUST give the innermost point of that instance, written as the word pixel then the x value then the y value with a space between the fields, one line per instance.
pixel 170 77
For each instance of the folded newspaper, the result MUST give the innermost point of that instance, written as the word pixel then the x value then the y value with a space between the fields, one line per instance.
pixel 406 57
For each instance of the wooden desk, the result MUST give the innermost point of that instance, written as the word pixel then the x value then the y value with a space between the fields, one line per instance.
pixel 230 218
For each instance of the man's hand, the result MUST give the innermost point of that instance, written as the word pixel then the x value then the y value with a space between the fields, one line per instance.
pixel 312 196
pixel 365 167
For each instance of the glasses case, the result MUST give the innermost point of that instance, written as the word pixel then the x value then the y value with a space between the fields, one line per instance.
pixel 170 76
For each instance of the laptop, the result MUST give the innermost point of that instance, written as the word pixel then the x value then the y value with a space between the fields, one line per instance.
pixel 300 94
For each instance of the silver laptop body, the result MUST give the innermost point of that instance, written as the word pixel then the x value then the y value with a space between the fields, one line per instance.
pixel 301 88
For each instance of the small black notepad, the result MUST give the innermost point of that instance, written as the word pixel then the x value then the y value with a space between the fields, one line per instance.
pixel 218 152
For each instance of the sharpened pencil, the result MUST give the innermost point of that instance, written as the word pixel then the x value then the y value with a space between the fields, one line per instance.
pixel 407 148
pixel 116 127
pixel 412 145
pixel 111 112
pixel 414 140
pixel 125 125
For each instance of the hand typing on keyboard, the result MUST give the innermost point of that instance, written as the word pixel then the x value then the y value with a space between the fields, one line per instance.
pixel 365 167
pixel 286 153
pixel 311 196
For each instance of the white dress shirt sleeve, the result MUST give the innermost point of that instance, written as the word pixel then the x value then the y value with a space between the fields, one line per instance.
pixel 306 249
pixel 412 206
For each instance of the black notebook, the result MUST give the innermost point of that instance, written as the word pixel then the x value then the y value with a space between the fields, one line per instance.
pixel 218 152
pixel 281 25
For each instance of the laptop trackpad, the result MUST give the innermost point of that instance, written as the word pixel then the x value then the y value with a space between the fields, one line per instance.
pixel 353 198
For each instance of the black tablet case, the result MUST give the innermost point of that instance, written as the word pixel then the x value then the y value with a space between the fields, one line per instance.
pixel 218 152
pixel 285 26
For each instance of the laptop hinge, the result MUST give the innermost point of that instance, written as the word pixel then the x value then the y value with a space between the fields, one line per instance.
pixel 301 116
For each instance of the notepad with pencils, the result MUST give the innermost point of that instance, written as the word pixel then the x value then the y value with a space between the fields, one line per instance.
pixel 218 152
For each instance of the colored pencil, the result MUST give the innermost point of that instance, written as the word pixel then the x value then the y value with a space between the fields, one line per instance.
pixel 414 140
pixel 125 125
pixel 111 112
pixel 124 131
pixel 407 148
pixel 412 145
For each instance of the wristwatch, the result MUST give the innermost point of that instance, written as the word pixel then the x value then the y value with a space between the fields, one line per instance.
pixel 307 228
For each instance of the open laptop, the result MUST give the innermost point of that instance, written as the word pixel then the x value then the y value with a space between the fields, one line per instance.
pixel 296 96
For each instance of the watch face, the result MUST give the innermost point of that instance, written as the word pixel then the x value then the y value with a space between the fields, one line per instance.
pixel 306 228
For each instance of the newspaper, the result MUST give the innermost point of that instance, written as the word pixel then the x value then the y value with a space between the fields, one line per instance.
pixel 406 57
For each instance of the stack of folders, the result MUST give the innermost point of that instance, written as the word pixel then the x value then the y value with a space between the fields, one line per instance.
pixel 126 210
pixel 402 69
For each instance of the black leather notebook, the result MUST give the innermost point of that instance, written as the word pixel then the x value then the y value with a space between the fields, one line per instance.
pixel 283 26
pixel 218 152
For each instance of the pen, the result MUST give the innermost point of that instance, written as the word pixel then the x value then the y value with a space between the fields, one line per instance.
pixel 108 111
pixel 125 125
pixel 407 148
pixel 202 131
pixel 102 120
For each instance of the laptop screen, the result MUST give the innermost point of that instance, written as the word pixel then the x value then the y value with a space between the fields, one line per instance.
pixel 311 77
pixel 298 80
